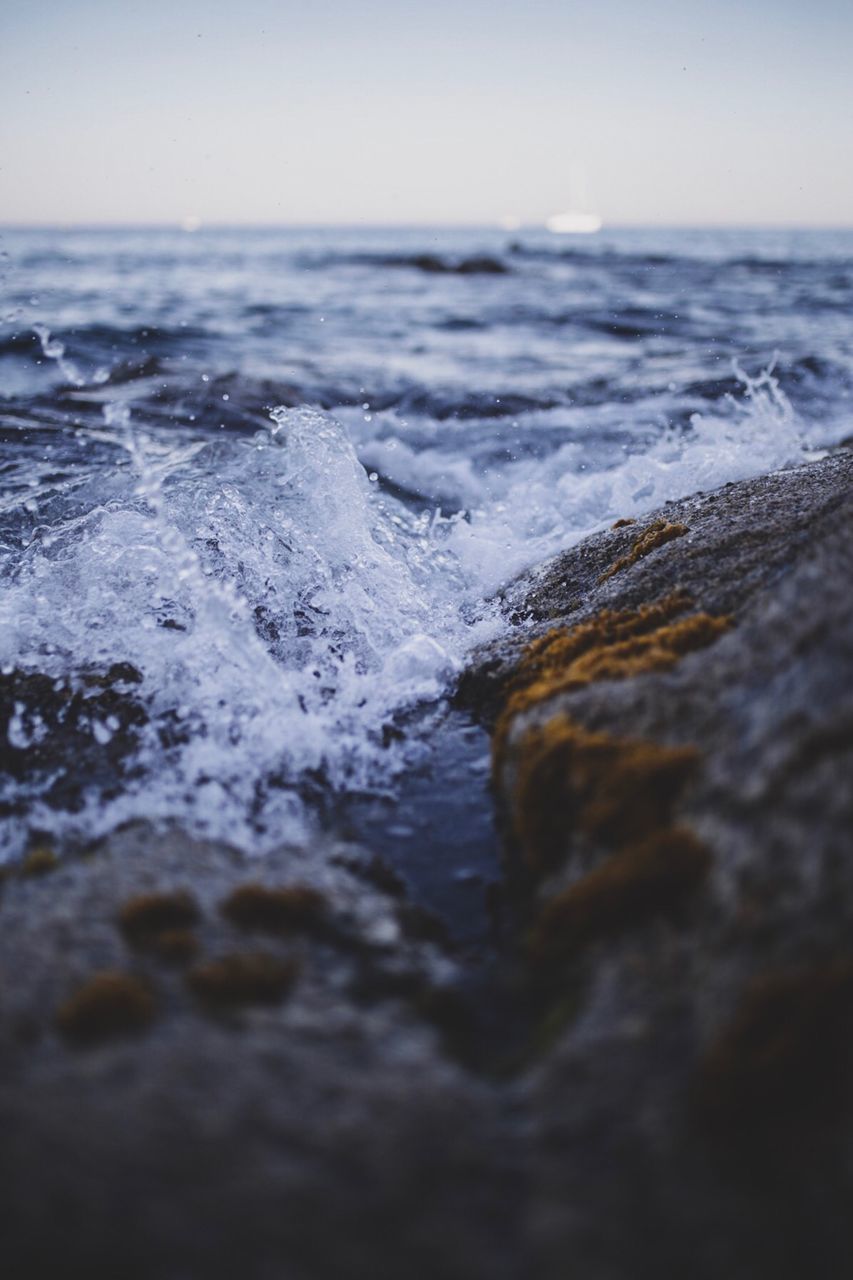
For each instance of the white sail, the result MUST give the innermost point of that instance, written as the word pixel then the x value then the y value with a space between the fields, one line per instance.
pixel 573 222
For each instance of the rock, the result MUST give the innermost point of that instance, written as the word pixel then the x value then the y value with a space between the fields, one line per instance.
pixel 482 266
pixel 673 762
pixel 64 735
pixel 740 538
pixel 432 264
pixel 255 1110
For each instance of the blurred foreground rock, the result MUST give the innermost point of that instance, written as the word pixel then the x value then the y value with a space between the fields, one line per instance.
pixel 214 1066
pixel 243 1126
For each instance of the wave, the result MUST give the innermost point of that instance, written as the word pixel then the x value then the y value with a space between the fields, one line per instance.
pixel 282 608
pixel 428 263
pixel 134 346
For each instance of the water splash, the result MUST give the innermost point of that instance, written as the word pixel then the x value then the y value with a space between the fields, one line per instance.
pixel 271 601
pixel 523 512
pixel 284 612
pixel 53 349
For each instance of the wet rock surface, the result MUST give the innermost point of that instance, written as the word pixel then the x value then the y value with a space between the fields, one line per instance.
pixel 211 1063
pixel 50 722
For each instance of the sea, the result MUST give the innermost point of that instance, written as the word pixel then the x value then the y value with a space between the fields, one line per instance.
pixel 261 489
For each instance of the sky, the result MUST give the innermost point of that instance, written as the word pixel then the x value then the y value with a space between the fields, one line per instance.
pixel 455 111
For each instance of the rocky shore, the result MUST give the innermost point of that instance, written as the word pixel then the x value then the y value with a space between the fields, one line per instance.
pixel 212 1065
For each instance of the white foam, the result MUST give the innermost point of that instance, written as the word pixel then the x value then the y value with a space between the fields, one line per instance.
pixel 522 512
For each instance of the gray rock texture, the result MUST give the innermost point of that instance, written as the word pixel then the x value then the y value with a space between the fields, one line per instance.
pixel 692 1115
pixel 328 1135
pixel 675 1099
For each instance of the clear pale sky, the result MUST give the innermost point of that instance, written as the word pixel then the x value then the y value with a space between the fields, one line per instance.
pixel 451 111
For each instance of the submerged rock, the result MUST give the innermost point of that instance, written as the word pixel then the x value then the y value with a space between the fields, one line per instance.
pixel 59 736
pixel 432 264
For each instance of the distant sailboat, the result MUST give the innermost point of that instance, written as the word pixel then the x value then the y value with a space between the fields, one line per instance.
pixel 573 222
pixel 579 220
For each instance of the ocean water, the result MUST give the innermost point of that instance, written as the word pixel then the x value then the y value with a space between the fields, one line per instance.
pixel 260 487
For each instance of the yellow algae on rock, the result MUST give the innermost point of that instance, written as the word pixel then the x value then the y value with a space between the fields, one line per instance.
pixel 610 646
pixel 144 918
pixel 109 1004
pixel 658 533
pixel 251 978
pixel 285 909
pixel 618 792
pixel 641 880
pixel 613 789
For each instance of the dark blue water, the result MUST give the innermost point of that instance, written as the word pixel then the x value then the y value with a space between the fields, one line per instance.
pixel 278 474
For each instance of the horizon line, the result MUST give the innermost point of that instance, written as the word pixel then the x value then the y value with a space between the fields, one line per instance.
pixel 401 225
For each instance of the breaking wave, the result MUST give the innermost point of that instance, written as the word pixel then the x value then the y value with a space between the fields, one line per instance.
pixel 282 611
